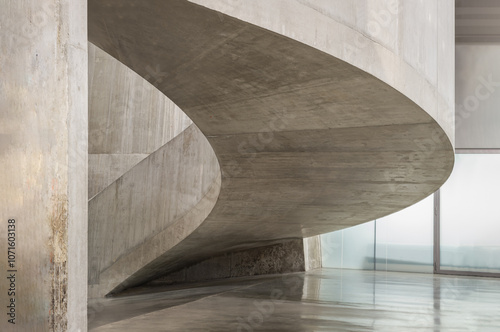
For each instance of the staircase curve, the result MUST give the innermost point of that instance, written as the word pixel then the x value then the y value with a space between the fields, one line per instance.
pixel 318 122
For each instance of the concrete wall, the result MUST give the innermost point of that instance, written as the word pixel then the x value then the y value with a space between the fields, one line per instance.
pixel 43 162
pixel 410 45
pixel 284 257
pixel 128 119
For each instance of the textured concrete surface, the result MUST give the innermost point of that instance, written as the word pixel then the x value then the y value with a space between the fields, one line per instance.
pixel 104 169
pixel 150 209
pixel 128 119
pixel 43 162
pixel 152 175
pixel 284 257
pixel 321 300
pixel 408 45
pixel 312 253
pixel 307 142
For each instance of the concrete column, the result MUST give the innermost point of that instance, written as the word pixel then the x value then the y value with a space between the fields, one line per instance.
pixel 312 252
pixel 43 164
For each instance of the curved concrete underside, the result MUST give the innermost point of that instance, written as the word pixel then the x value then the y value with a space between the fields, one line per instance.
pixel 307 143
pixel 153 177
pixel 129 120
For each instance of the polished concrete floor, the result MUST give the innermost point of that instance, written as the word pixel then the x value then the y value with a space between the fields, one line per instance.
pixel 321 300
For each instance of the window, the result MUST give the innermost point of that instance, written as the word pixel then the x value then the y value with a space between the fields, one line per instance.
pixel 467 227
pixel 470 215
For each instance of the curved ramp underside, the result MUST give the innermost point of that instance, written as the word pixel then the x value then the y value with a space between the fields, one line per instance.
pixel 306 143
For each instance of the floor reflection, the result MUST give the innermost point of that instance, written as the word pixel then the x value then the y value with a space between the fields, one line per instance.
pixel 321 300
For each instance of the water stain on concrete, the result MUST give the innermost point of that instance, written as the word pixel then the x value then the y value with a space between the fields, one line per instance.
pixel 58 222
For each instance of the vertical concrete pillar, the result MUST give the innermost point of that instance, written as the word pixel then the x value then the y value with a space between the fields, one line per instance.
pixel 43 165
pixel 312 252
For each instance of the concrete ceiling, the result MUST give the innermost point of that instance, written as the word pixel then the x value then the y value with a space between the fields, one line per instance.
pixel 477 21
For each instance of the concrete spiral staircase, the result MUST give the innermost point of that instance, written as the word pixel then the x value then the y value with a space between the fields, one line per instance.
pixel 153 177
pixel 309 122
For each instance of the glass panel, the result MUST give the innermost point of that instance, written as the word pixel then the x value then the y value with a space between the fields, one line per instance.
pixel 331 249
pixel 351 248
pixel 470 215
pixel 405 239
